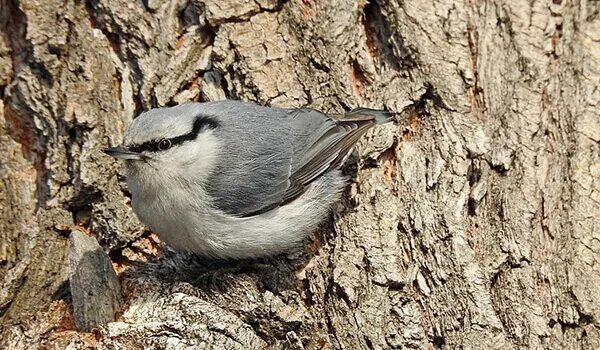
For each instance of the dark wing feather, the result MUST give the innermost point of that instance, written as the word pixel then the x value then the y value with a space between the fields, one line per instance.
pixel 328 145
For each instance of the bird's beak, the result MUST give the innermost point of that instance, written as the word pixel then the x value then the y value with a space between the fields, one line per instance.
pixel 121 152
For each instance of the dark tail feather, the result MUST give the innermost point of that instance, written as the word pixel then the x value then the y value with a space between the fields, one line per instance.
pixel 380 116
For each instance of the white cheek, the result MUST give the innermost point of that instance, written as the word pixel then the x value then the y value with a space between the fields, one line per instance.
pixel 195 158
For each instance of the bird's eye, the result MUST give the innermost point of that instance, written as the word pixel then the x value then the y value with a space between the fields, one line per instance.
pixel 164 144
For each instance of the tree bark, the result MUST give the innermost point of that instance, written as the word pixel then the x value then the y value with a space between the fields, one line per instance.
pixel 473 222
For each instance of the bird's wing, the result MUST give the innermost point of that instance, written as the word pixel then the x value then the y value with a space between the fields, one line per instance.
pixel 268 163
pixel 329 139
pixel 254 162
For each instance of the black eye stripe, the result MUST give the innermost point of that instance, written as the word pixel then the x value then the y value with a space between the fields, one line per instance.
pixel 201 122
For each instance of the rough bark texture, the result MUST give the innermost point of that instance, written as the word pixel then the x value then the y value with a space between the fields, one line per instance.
pixel 477 225
pixel 94 285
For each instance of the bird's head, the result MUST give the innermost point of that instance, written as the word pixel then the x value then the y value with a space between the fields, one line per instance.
pixel 169 142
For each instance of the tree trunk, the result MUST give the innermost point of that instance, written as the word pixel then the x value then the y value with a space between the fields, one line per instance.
pixel 473 222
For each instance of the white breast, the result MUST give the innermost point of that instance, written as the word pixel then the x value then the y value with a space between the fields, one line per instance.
pixel 187 222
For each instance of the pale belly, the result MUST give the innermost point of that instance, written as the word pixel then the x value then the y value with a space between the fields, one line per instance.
pixel 180 226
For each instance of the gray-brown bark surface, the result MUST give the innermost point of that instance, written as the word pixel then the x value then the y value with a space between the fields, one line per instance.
pixel 474 226
pixel 94 285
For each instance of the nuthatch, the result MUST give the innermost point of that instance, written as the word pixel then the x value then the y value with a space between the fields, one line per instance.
pixel 233 179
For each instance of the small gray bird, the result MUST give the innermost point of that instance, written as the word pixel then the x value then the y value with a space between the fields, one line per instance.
pixel 233 179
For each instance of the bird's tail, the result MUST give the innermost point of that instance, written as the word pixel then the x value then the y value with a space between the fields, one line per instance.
pixel 362 113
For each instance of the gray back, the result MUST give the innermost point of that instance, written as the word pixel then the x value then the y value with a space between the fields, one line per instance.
pixel 254 166
pixel 268 155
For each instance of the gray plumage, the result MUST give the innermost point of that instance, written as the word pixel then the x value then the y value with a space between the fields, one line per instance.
pixel 238 179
